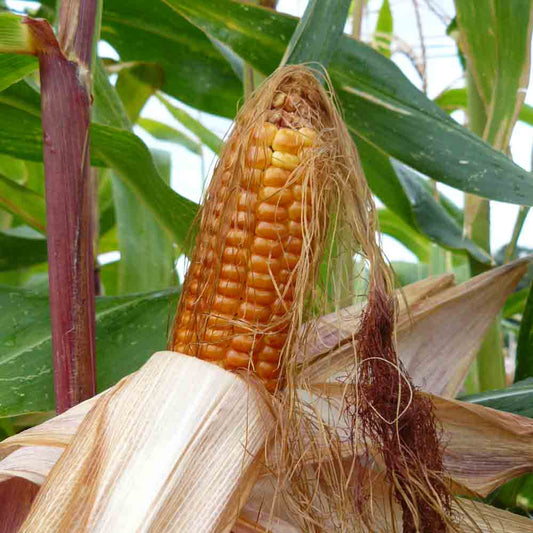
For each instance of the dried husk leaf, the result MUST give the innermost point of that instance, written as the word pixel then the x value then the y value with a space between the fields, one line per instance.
pixel 182 459
pixel 16 497
pixel 469 516
pixel 485 448
pixel 30 462
pixel 334 329
pixel 434 345
pixel 436 348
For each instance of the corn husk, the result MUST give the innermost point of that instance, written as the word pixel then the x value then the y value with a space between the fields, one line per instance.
pixel 152 465
pixel 333 329
pixel 484 448
pixel 469 516
pixel 439 333
pixel 47 439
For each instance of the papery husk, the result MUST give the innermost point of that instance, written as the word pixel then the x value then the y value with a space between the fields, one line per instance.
pixel 32 463
pixel 175 447
pixel 469 516
pixel 484 447
pixel 334 329
pixel 438 335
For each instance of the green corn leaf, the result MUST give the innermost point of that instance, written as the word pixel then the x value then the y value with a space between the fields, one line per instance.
pixel 524 351
pixel 21 247
pixel 392 225
pixel 164 132
pixel 205 135
pixel 384 29
pixel 517 398
pixel 21 137
pixel 317 33
pixel 498 60
pixel 128 330
pixel 23 202
pixel 379 102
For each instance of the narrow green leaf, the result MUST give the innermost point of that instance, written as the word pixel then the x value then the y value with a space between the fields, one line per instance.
pixel 498 59
pixel 23 202
pixel 407 195
pixel 195 72
pixel 14 35
pixel 524 351
pixel 129 157
pixel 205 135
pixel 318 32
pixel 128 330
pixel 454 99
pixel 164 132
pixel 136 84
pixel 517 398
pixel 379 102
pixel 22 96
pixel 384 29
pixel 146 262
pixel 407 273
pixel 108 108
pixel 433 219
pixel 515 303
pixel 383 180
pixel 21 247
pixel 15 67
pixel 21 137
pixel 414 241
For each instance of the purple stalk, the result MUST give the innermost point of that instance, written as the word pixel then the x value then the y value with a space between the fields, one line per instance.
pixel 65 107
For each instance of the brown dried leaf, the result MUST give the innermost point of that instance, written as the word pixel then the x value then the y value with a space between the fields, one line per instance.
pixel 469 516
pixel 440 335
pixel 195 437
pixel 485 448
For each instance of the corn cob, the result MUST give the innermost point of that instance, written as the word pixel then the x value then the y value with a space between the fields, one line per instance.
pixel 236 304
pixel 288 166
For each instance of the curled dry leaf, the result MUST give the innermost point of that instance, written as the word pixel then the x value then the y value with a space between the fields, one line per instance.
pixel 484 448
pixel 434 345
pixel 195 437
pixel 469 516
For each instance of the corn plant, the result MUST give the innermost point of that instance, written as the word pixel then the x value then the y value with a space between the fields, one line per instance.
pixel 287 286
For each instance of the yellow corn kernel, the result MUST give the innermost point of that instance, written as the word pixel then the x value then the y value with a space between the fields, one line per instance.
pixel 258 157
pixel 287 140
pixel 285 160
pixel 275 177
pixel 265 134
pixel 308 136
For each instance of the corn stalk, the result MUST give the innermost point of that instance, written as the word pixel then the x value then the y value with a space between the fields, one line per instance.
pixel 65 104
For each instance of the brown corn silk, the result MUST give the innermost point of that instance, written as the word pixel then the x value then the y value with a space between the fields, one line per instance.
pixel 285 205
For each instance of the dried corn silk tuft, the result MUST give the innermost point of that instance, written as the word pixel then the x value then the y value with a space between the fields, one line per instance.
pixel 287 208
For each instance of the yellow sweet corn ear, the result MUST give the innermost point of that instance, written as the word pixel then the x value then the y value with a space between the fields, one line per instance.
pixel 235 311
pixel 288 187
